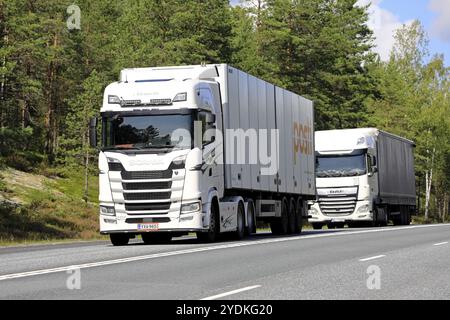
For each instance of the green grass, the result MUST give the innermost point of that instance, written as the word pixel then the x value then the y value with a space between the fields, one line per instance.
pixel 51 213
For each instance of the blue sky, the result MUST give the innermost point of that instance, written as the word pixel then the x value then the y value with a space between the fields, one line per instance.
pixel 388 15
pixel 433 14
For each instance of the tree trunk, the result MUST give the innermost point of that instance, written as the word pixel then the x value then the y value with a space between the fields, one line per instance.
pixel 428 184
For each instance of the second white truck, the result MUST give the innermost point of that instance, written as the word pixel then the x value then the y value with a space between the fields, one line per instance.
pixel 364 177
pixel 204 149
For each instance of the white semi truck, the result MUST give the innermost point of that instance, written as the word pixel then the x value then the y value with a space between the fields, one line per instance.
pixel 206 149
pixel 363 177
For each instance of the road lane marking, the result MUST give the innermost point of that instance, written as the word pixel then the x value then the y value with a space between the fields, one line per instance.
pixel 229 293
pixel 372 258
pixel 440 243
pixel 205 249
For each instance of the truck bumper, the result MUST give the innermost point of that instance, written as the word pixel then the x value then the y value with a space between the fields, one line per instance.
pixel 363 212
pixel 190 222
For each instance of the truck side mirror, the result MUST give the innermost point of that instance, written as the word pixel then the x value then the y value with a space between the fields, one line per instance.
pixel 374 169
pixel 374 161
pixel 93 132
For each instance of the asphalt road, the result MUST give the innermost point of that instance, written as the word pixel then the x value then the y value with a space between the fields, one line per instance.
pixel 381 263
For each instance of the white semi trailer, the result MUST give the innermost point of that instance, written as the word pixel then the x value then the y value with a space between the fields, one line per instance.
pixel 363 176
pixel 204 149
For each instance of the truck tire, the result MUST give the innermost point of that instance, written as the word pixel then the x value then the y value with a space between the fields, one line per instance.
pixel 239 234
pixel 405 217
pixel 119 239
pixel 156 238
pixel 317 226
pixel 280 226
pixel 251 222
pixel 340 225
pixel 292 218
pixel 299 218
pixel 214 227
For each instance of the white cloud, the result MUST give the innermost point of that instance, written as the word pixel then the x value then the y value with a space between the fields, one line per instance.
pixel 441 26
pixel 384 24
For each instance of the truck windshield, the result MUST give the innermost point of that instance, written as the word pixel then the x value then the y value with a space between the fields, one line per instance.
pixel 341 166
pixel 147 132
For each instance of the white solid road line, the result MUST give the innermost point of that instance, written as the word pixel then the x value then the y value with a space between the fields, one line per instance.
pixel 229 293
pixel 440 243
pixel 372 258
pixel 204 249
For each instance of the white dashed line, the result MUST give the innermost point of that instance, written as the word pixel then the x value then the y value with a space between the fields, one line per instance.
pixel 440 243
pixel 372 258
pixel 229 293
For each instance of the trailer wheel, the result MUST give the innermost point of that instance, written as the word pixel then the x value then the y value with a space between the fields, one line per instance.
pixel 280 226
pixel 214 227
pixel 251 223
pixel 292 218
pixel 119 239
pixel 405 218
pixel 156 238
pixel 299 217
pixel 240 229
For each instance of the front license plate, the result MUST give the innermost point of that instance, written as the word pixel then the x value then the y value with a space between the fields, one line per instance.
pixel 148 226
pixel 338 220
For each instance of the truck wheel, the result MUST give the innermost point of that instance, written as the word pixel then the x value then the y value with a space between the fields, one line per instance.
pixel 240 231
pixel 293 220
pixel 119 239
pixel 280 226
pixel 251 223
pixel 405 218
pixel 340 225
pixel 214 227
pixel 298 219
pixel 156 238
pixel 317 226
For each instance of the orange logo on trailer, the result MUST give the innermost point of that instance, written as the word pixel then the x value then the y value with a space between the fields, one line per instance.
pixel 303 140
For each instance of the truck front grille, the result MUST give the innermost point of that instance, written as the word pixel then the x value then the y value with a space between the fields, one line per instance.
pixel 141 175
pixel 162 207
pixel 344 205
pixel 147 185
pixel 147 196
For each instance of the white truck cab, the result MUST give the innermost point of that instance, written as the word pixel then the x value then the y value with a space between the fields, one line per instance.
pixel 363 176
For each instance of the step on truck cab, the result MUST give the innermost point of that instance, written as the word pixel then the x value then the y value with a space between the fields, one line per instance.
pixel 364 177
pixel 206 149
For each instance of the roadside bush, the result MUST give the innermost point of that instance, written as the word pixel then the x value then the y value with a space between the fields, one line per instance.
pixel 24 160
pixel 18 149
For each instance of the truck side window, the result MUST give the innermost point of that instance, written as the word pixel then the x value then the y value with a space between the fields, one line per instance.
pixel 205 126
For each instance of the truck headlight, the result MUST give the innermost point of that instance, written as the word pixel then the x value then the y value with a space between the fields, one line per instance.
pixel 109 211
pixel 364 208
pixel 182 96
pixel 191 207
pixel 313 212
